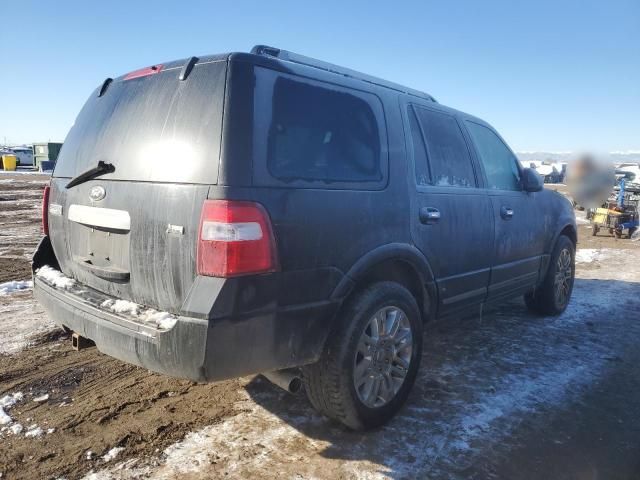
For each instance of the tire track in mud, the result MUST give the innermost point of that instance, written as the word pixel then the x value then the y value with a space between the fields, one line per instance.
pixel 97 403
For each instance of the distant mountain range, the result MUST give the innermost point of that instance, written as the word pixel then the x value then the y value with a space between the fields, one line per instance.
pixel 631 156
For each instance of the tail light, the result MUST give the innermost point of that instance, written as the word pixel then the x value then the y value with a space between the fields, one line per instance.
pixel 235 238
pixel 45 210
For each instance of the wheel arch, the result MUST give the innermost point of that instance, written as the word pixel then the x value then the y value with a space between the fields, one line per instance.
pixel 569 230
pixel 398 262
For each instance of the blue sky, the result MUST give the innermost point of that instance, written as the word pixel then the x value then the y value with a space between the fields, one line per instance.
pixel 549 75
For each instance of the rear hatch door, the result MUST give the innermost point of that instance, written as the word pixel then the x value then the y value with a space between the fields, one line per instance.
pixel 131 233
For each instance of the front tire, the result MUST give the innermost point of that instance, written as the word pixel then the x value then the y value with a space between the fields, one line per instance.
pixel 370 360
pixel 553 295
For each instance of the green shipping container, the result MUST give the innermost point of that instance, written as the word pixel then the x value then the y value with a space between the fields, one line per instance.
pixel 47 151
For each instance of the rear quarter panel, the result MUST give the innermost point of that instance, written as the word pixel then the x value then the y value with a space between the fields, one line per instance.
pixel 557 214
pixel 321 233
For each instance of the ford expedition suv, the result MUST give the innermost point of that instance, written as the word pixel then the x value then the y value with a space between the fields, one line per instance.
pixel 266 212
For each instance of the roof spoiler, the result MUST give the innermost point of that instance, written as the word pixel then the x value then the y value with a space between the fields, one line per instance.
pixel 105 85
pixel 187 67
pixel 267 51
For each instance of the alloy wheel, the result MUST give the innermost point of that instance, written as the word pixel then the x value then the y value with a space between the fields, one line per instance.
pixel 383 357
pixel 564 277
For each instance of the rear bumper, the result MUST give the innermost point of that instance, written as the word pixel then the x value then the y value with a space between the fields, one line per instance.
pixel 194 348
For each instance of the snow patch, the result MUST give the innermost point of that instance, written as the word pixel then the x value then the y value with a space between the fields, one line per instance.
pixel 20 320
pixel 16 428
pixel 55 277
pixel 6 403
pixel 4 418
pixel 41 398
pixel 162 320
pixel 9 401
pixel 34 431
pixel 589 255
pixel 14 286
pixel 111 454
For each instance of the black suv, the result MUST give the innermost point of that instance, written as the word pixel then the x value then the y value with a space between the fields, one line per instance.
pixel 271 213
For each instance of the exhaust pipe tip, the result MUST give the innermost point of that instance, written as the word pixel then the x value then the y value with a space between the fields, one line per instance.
pixel 289 380
pixel 295 385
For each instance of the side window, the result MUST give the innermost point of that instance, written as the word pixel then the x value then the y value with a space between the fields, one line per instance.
pixel 314 133
pixel 447 157
pixel 500 165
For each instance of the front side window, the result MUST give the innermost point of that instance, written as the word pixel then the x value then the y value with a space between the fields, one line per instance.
pixel 447 156
pixel 500 165
pixel 316 133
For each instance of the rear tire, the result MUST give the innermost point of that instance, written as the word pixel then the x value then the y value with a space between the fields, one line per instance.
pixel 370 359
pixel 553 295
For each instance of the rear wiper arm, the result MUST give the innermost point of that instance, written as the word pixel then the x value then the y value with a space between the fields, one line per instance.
pixel 101 169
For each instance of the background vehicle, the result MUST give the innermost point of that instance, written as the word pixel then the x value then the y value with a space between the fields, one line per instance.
pixel 245 213
pixel 24 154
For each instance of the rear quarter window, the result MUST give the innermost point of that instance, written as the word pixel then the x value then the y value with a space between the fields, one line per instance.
pixel 311 134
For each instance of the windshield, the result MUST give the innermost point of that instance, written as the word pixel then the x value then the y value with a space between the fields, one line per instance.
pixel 154 128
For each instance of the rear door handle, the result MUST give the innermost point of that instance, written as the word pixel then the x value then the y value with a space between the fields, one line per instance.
pixel 429 215
pixel 506 212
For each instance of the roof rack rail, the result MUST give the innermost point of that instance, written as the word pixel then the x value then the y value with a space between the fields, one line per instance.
pixel 267 51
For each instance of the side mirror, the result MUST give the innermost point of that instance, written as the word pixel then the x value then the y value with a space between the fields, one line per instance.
pixel 531 180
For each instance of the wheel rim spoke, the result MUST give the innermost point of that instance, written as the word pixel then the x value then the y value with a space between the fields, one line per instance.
pixel 402 362
pixel 395 316
pixel 383 357
pixel 386 388
pixel 400 372
pixel 375 389
pixel 403 338
pixel 367 389
pixel 365 344
pixel 376 326
pixel 563 277
pixel 362 371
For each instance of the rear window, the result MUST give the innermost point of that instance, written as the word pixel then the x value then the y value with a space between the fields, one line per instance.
pixel 153 128
pixel 310 133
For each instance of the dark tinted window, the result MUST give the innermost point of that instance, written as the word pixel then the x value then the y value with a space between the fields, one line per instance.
pixel 500 165
pixel 316 133
pixel 449 162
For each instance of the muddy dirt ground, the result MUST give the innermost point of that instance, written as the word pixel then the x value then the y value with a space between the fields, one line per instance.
pixel 508 395
pixel 20 214
pixel 96 403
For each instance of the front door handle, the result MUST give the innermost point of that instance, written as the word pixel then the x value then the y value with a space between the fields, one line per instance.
pixel 429 215
pixel 506 212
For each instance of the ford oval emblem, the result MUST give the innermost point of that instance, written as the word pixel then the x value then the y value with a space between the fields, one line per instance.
pixel 97 193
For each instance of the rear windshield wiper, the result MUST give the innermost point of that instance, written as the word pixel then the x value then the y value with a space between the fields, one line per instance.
pixel 101 169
